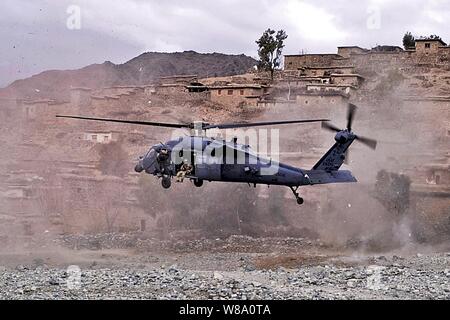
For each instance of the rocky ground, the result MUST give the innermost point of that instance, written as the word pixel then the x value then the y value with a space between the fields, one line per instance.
pixel 134 267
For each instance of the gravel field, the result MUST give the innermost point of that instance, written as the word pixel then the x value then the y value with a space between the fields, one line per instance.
pixel 127 267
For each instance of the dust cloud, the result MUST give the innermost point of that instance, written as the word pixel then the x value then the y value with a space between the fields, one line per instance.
pixel 378 213
pixel 359 216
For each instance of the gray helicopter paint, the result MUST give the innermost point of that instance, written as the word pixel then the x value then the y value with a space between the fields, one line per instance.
pixel 334 158
pixel 216 168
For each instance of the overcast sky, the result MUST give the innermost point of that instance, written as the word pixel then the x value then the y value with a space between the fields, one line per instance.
pixel 38 35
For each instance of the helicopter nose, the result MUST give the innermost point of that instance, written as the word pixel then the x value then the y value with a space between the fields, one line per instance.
pixel 139 166
pixel 148 164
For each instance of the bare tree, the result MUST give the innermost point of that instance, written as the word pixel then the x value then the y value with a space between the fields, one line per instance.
pixel 270 47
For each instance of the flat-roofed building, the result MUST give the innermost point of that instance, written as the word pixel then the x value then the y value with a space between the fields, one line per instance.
pixel 299 61
pixel 346 51
pixel 429 45
pixel 237 94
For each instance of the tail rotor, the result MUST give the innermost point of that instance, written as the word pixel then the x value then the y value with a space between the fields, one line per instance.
pixel 371 143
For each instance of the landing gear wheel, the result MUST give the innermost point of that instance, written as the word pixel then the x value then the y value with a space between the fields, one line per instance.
pixel 198 183
pixel 166 182
pixel 299 199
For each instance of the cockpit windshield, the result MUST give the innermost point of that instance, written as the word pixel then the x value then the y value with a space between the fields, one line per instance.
pixel 151 152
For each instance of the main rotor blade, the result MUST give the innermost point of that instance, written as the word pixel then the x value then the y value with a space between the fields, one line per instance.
pixel 326 125
pixel 350 115
pixel 258 124
pixel 144 123
pixel 371 143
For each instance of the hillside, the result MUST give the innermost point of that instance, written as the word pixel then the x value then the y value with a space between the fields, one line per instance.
pixel 143 69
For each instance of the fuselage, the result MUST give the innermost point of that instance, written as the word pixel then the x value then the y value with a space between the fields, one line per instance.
pixel 219 160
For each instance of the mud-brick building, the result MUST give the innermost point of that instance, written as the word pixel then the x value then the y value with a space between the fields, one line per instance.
pixel 430 203
pixel 317 98
pixel 178 79
pixel 429 45
pixel 324 71
pixel 103 137
pixel 8 107
pixel 345 88
pixel 300 61
pixel 36 115
pixel 27 205
pixel 300 82
pixel 173 85
pixel 80 97
pixel 238 94
pixel 346 51
pixel 32 110
pixel 170 89
pixel 436 174
pixel 433 114
pixel 347 79
pixel 427 50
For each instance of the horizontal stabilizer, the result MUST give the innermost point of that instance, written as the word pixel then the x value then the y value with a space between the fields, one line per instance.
pixel 324 177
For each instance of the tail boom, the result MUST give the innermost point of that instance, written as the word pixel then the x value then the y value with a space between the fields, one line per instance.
pixel 334 158
pixel 326 170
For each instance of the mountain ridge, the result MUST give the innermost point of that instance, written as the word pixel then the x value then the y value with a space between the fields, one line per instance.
pixel 143 69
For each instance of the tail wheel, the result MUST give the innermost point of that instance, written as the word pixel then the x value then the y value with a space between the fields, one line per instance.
pixel 198 183
pixel 294 191
pixel 166 182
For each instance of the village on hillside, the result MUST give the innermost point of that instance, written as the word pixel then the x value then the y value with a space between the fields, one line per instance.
pixel 56 168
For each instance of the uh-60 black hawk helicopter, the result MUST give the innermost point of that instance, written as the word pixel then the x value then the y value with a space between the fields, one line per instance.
pixel 219 160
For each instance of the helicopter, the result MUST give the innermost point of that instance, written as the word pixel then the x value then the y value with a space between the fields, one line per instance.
pixel 214 159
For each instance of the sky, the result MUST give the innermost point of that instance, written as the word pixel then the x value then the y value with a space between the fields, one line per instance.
pixel 39 35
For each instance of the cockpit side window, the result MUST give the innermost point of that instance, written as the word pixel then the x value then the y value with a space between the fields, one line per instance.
pixel 150 152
